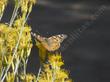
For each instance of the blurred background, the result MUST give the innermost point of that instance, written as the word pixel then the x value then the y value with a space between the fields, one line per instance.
pixel 88 57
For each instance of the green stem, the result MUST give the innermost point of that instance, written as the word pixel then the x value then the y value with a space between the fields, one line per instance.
pixel 48 77
pixel 29 51
pixel 53 72
pixel 1 16
pixel 2 12
pixel 3 70
pixel 39 73
pixel 16 68
pixel 24 66
pixel 18 62
pixel 14 14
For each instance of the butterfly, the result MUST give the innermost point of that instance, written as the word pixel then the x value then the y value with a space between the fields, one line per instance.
pixel 51 43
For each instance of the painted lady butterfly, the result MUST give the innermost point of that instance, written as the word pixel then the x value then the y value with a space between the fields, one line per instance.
pixel 52 43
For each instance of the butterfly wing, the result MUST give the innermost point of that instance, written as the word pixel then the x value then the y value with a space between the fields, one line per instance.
pixel 53 43
pixel 58 38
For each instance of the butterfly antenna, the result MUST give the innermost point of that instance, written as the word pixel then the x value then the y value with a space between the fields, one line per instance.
pixel 37 32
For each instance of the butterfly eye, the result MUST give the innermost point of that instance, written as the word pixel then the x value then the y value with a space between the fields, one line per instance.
pixel 33 34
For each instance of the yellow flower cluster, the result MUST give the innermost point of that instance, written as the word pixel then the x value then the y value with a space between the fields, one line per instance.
pixel 15 40
pixel 52 71
pixel 52 68
pixel 28 78
pixel 8 40
pixel 26 6
pixel 26 3
pixel 55 60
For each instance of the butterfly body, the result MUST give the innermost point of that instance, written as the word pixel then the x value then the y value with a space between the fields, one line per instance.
pixel 52 43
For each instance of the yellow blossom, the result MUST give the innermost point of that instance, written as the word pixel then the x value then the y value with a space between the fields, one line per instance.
pixel 55 59
pixel 10 77
pixel 61 74
pixel 27 78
